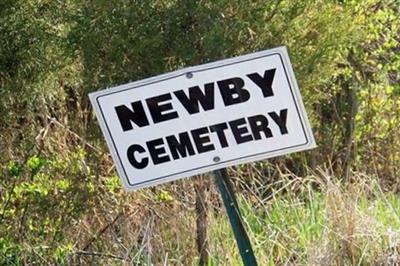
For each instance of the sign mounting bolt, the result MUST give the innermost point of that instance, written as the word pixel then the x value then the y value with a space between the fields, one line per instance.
pixel 216 159
pixel 189 75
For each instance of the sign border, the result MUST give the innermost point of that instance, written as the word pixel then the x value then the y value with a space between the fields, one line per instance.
pixel 280 51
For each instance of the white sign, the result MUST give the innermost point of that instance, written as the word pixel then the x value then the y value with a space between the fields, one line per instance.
pixel 203 118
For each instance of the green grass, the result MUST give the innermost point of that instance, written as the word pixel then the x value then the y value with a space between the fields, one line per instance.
pixel 331 226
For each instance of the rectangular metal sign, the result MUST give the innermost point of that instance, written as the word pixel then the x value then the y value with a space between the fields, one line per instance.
pixel 203 118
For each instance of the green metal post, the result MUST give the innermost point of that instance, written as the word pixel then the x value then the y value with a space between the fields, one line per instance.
pixel 232 208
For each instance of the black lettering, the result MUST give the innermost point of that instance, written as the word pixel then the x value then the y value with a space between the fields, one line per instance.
pixel 126 115
pixel 232 91
pixel 219 129
pixel 259 123
pixel 157 152
pixel 132 159
pixel 265 83
pixel 201 141
pixel 239 132
pixel 158 108
pixel 182 147
pixel 196 98
pixel 280 120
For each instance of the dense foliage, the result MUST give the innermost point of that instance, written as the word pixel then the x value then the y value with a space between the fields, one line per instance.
pixel 58 187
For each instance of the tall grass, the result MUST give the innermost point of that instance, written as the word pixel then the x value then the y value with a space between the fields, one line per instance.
pixel 315 220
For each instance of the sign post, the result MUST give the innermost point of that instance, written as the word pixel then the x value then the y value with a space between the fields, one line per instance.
pixel 232 209
pixel 202 119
